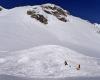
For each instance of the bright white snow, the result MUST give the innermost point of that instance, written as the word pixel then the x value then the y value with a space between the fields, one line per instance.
pixel 48 61
pixel 20 35
pixel 19 31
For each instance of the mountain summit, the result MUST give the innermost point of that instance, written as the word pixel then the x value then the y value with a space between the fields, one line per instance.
pixel 35 41
pixel 29 26
pixel 41 13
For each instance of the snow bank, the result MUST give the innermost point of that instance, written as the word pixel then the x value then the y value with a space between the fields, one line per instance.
pixel 48 61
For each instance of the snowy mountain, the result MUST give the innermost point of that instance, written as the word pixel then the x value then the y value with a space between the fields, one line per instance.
pixel 36 40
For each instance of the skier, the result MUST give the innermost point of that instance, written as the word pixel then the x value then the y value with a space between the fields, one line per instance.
pixel 65 63
pixel 78 67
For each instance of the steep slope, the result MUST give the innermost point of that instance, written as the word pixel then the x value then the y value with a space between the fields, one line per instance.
pixel 78 34
pixel 18 31
pixel 46 24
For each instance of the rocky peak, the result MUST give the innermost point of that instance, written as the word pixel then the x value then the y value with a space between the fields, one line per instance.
pixel 1 8
pixel 37 16
pixel 57 11
pixel 39 12
pixel 51 8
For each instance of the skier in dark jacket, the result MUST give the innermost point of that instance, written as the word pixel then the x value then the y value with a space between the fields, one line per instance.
pixel 78 67
pixel 65 63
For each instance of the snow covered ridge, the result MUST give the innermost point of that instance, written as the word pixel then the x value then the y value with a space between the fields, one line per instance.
pixel 97 27
pixel 19 31
pixel 48 61
pixel 39 12
pixel 2 8
pixel 22 38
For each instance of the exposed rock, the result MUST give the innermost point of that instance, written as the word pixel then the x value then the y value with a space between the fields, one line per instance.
pixel 61 12
pixel 39 13
pixel 50 7
pixel 39 17
pixel 62 19
pixel 0 9
pixel 48 12
pixel 29 12
pixel 56 11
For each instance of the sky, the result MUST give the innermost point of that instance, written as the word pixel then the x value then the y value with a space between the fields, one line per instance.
pixel 85 9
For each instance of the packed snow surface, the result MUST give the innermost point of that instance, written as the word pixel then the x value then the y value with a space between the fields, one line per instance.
pixel 48 61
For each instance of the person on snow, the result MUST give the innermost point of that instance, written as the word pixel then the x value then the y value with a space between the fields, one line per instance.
pixel 65 63
pixel 78 67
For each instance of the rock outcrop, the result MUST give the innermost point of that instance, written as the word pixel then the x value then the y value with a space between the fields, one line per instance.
pixel 57 11
pixel 50 9
pixel 39 17
pixel 0 9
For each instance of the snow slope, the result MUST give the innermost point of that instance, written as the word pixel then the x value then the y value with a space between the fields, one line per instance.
pixel 48 61
pixel 21 36
pixel 19 31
